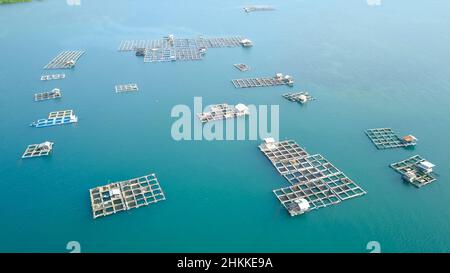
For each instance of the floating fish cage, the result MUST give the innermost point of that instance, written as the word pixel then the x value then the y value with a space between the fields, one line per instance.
pixel 37 150
pixel 53 77
pixel 386 138
pixel 242 67
pixel 121 88
pixel 279 79
pixel 415 170
pixel 223 111
pixel 301 97
pixel 65 59
pixel 171 49
pixel 125 195
pixel 198 43
pixel 173 54
pixel 54 94
pixel 315 182
pixel 56 118
pixel 258 8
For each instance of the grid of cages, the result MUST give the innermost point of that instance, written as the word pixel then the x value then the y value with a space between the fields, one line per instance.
pixel 220 42
pixel 106 200
pixel 52 77
pixel 47 95
pixel 316 193
pixel 258 8
pixel 298 97
pixel 121 88
pixel 142 191
pixel 312 177
pixel 125 195
pixel 242 67
pixel 385 138
pixel 65 59
pixel 282 151
pixel 36 150
pixel 343 186
pixel 159 55
pixel 188 54
pixel 257 82
pixel 60 114
pixel 410 165
pixel 219 112
pixel 306 168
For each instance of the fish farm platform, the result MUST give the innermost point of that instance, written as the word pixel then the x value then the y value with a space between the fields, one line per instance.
pixel 171 49
pixel 386 138
pixel 122 88
pixel 220 42
pixel 301 97
pixel 222 111
pixel 56 118
pixel 412 172
pixel 314 180
pixel 279 79
pixel 37 150
pixel 125 195
pixel 54 94
pixel 242 67
pixel 52 77
pixel 172 54
pixel 65 59
pixel 258 8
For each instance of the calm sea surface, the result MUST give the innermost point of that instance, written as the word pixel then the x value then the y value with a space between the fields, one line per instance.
pixel 368 66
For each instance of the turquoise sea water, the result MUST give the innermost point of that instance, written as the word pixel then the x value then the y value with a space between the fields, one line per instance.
pixel 369 66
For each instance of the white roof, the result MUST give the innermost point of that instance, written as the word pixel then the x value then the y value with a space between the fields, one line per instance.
pixel 302 204
pixel 427 164
pixel 115 191
pixel 241 107
pixel 269 140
